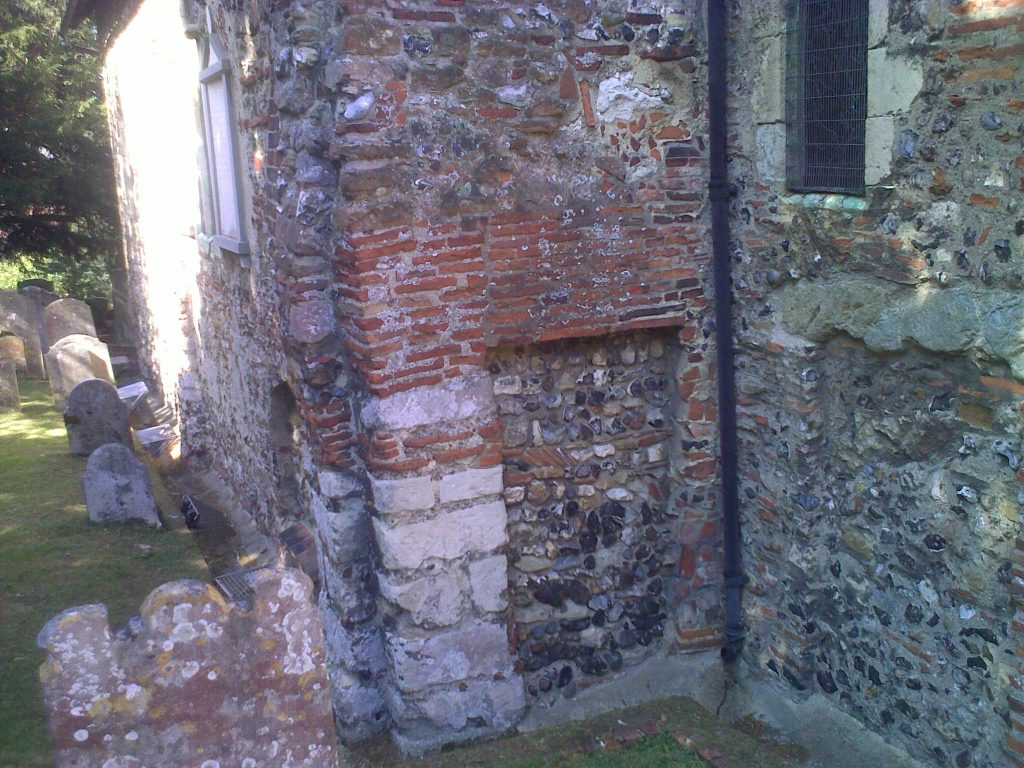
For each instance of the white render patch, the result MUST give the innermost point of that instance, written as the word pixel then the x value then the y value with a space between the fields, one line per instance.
pixel 481 528
pixel 618 99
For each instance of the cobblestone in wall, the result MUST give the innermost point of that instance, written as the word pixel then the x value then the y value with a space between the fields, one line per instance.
pixel 193 677
pixel 593 541
pixel 878 378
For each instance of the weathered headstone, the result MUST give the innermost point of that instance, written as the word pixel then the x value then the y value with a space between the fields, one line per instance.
pixel 74 359
pixel 13 348
pixel 117 487
pixel 10 397
pixel 94 416
pixel 67 317
pixel 201 682
pixel 21 316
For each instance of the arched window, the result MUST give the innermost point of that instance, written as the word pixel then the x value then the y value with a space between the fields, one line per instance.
pixel 221 151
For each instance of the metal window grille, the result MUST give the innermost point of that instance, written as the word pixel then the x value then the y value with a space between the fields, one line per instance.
pixel 826 94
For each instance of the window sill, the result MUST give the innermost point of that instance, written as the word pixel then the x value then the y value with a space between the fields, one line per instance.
pixel 217 246
pixel 827 202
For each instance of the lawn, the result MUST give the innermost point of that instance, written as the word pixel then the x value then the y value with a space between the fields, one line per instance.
pixel 52 557
pixel 661 751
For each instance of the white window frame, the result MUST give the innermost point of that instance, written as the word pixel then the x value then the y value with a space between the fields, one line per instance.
pixel 227 228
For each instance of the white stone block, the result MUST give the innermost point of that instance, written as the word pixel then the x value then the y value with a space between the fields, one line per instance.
pixel 879 135
pixel 345 533
pixel 409 494
pixel 449 657
pixel 471 484
pixel 878 22
pixel 455 400
pixel 481 528
pixel 488 580
pixel 771 151
pixel 338 485
pixel 892 83
pixel 766 98
pixel 430 601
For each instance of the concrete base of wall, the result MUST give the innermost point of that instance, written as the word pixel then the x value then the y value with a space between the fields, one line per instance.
pixel 832 738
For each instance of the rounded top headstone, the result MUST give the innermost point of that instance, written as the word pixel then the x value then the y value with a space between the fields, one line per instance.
pixel 114 458
pixel 66 317
pixel 95 416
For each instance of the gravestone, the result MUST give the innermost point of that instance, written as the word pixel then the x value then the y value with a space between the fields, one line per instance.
pixel 67 317
pixel 21 315
pixel 10 397
pixel 73 360
pixel 117 487
pixel 200 681
pixel 94 416
pixel 42 298
pixel 13 348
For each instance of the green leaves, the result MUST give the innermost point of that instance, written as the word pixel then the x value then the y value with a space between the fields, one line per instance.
pixel 57 200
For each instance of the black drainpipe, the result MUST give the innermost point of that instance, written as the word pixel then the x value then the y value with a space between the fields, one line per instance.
pixel 718 193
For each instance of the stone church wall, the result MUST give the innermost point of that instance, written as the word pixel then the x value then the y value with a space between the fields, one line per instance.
pixel 880 384
pixel 428 186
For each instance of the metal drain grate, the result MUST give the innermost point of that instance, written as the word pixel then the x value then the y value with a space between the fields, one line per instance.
pixel 236 586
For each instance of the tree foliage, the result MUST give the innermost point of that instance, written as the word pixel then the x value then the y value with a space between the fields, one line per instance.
pixel 57 204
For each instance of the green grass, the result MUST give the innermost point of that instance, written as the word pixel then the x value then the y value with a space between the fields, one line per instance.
pixel 52 557
pixel 661 751
pixel 598 742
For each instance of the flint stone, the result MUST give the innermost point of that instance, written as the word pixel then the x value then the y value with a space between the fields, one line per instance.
pixel 450 657
pixel 74 359
pixel 67 317
pixel 117 487
pixel 21 316
pixel 10 396
pixel 13 348
pixel 94 416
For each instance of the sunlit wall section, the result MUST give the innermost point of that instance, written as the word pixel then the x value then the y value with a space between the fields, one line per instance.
pixel 150 79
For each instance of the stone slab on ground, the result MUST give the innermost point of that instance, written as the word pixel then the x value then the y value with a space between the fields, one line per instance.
pixel 226 686
pixel 93 416
pixel 117 487
pixel 131 394
pixel 10 395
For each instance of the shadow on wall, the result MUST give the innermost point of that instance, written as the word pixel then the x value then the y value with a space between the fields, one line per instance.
pixel 284 442
pixel 888 511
